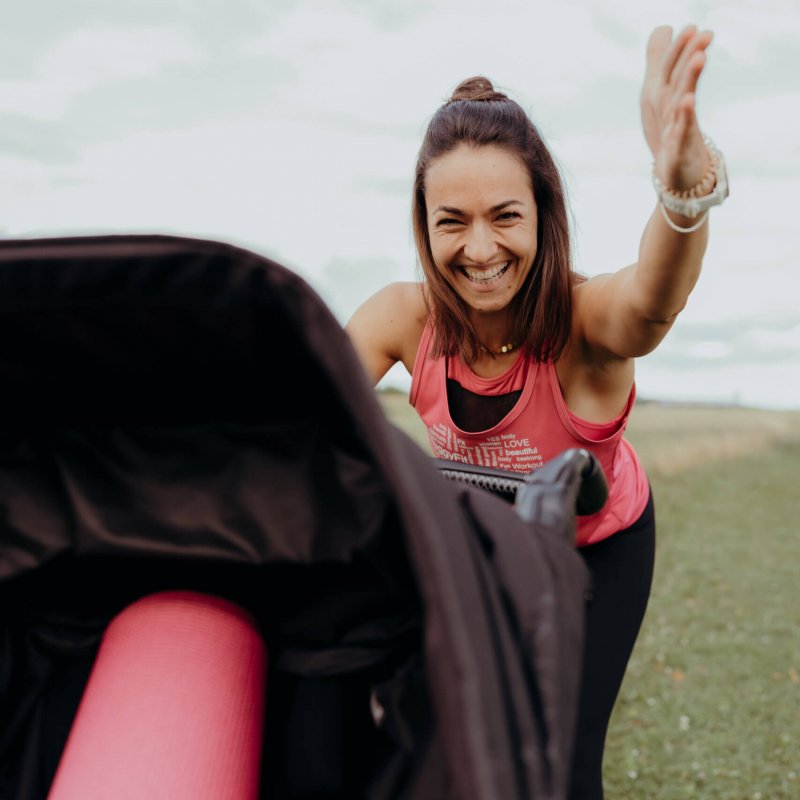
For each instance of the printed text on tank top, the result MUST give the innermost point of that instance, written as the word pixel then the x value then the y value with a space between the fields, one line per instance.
pixel 518 420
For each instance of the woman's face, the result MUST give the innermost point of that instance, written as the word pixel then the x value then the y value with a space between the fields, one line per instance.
pixel 482 222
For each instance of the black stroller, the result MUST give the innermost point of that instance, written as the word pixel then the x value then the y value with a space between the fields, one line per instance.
pixel 428 632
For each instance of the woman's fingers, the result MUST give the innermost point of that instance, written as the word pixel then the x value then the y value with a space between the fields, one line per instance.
pixel 673 54
pixel 687 58
pixel 696 43
pixel 691 74
pixel 657 46
pixel 668 98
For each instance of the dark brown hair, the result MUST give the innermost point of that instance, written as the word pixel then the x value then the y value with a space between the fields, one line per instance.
pixel 478 115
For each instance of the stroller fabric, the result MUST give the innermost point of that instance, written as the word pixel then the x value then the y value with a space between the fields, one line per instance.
pixel 423 640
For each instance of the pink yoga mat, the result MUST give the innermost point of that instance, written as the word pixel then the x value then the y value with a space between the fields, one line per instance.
pixel 173 708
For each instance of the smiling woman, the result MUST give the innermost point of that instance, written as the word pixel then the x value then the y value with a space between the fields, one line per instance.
pixel 502 154
pixel 514 357
pixel 482 248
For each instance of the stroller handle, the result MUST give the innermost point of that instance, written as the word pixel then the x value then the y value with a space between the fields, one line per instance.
pixel 576 469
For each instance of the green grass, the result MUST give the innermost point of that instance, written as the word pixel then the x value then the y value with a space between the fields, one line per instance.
pixel 710 705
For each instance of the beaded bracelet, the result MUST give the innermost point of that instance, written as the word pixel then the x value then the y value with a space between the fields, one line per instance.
pixel 710 191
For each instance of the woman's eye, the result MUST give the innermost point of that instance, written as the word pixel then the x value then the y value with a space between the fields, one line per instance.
pixel 447 221
pixel 507 216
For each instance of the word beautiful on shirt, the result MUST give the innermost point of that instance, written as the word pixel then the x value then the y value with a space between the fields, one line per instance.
pixel 503 451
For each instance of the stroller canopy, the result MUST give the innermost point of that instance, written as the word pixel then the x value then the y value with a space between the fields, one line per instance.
pixel 183 413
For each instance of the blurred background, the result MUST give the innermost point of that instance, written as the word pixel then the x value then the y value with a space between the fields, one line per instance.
pixel 290 127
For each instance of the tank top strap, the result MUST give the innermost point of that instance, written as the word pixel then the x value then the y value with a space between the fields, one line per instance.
pixel 422 363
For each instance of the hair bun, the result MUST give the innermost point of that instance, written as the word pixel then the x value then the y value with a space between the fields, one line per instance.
pixel 477 88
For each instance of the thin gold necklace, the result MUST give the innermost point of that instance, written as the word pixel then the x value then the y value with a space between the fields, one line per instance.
pixel 502 350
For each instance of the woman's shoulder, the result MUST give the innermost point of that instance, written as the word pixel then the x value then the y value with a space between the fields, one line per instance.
pixel 389 325
pixel 410 295
pixel 405 310
pixel 401 304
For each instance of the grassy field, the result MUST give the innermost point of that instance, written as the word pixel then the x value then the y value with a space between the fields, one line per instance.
pixel 710 705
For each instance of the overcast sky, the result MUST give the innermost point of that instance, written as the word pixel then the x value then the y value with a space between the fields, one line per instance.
pixel 290 127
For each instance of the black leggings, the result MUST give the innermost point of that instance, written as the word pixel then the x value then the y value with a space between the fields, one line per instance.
pixel 621 568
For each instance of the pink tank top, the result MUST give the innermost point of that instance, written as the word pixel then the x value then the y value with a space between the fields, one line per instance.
pixel 538 427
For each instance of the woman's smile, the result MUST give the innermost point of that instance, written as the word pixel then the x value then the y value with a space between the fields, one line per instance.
pixel 485 276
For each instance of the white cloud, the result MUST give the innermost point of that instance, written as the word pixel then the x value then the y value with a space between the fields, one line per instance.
pixel 762 386
pixel 759 134
pixel 776 341
pixel 709 350
pixel 292 128
pixel 86 58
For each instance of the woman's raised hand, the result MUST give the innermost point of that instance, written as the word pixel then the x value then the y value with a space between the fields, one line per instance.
pixel 674 66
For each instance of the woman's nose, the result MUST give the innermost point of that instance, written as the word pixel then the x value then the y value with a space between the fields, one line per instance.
pixel 479 246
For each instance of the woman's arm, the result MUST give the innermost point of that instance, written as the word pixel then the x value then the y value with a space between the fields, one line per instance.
pixel 627 314
pixel 387 328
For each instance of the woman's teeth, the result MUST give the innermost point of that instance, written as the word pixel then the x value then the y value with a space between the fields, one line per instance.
pixel 486 275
